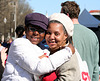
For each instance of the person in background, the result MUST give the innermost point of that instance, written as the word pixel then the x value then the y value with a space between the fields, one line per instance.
pixel 98 35
pixel 4 43
pixel 9 42
pixel 3 57
pixel 20 31
pixel 24 57
pixel 84 39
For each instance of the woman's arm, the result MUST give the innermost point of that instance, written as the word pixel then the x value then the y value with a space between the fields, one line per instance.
pixel 27 58
pixel 3 56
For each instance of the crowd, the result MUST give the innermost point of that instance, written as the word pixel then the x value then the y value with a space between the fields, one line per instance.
pixel 57 48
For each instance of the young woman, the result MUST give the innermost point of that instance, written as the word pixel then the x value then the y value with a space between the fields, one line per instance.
pixel 58 36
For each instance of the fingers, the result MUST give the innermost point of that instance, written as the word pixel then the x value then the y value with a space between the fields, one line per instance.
pixel 42 56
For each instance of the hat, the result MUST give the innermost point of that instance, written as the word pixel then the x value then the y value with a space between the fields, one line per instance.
pixel 65 20
pixel 37 19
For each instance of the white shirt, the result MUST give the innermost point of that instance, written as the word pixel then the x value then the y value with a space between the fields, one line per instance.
pixel 23 61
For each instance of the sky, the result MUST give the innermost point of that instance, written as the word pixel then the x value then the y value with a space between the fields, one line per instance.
pixel 54 6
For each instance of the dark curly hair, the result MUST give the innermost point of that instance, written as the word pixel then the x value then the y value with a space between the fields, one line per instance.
pixel 71 8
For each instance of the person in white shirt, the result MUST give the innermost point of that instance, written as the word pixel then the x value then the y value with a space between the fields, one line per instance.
pixel 24 55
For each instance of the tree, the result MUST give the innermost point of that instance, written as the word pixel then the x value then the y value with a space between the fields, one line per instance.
pixel 23 10
pixel 9 9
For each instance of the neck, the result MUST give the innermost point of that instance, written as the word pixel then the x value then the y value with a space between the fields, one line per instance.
pixel 75 21
pixel 55 50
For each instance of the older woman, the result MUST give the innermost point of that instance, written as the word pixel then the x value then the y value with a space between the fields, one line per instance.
pixel 59 34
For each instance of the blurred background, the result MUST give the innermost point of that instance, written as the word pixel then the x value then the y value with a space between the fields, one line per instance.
pixel 12 13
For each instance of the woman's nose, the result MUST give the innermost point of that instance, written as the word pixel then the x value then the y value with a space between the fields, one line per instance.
pixel 35 33
pixel 52 36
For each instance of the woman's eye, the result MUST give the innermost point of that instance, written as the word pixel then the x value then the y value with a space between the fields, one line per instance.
pixel 48 32
pixel 56 34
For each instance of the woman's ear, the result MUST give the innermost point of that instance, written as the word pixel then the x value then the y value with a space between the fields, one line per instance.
pixel 66 36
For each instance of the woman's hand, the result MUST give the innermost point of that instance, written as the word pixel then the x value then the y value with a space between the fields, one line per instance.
pixel 44 55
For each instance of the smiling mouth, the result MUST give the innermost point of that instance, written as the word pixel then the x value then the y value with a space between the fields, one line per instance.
pixel 52 43
pixel 35 39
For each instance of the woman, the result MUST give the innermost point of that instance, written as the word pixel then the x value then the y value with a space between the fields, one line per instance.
pixel 22 61
pixel 59 34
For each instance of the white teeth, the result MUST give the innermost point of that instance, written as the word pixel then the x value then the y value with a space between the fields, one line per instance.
pixel 51 41
pixel 34 38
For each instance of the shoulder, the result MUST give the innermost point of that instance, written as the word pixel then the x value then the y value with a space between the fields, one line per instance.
pixel 71 68
pixel 21 41
pixel 72 63
pixel 84 28
pixel 84 31
pixel 25 43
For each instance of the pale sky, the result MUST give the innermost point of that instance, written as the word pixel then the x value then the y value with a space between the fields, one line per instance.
pixel 54 6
